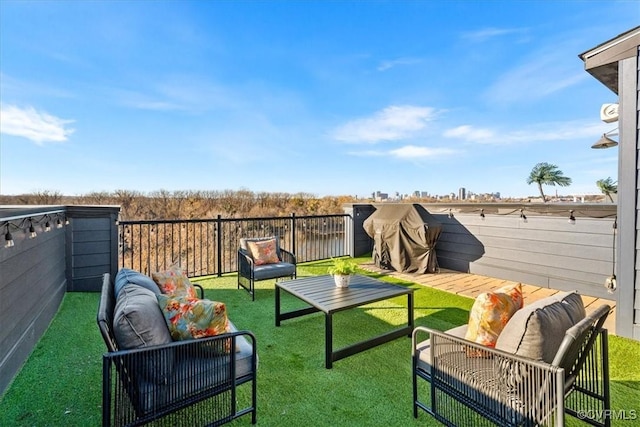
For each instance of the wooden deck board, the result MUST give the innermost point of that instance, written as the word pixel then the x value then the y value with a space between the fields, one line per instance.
pixel 472 285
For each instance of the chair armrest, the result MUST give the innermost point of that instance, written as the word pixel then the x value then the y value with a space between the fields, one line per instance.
pixel 200 290
pixel 186 345
pixel 443 338
pixel 245 263
pixel 288 256
pixel 156 360
pixel 418 335
pixel 243 256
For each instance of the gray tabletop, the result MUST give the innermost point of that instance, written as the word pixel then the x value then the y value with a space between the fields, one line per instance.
pixel 321 292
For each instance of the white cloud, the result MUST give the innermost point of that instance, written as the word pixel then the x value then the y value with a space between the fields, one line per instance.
pixel 11 87
pixel 491 32
pixel 544 73
pixel 408 152
pixel 385 65
pixel 470 133
pixel 415 152
pixel 533 81
pixel 38 126
pixel 541 132
pixel 390 124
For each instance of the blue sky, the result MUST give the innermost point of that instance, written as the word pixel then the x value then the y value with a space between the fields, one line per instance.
pixel 328 98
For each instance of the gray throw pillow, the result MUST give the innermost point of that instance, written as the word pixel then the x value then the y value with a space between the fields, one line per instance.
pixel 137 319
pixel 138 322
pixel 126 275
pixel 537 330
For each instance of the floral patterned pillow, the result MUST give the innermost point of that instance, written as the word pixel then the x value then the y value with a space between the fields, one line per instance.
pixel 189 318
pixel 263 251
pixel 174 282
pixel 490 313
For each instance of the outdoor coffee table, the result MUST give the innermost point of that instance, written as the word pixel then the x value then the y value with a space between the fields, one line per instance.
pixel 322 295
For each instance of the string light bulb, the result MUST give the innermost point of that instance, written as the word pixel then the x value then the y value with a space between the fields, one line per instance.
pixel 523 216
pixel 47 226
pixel 8 238
pixel 572 219
pixel 32 230
pixel 482 213
pixel 58 223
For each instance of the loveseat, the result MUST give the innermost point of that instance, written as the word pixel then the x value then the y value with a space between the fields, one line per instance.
pixel 150 376
pixel 549 359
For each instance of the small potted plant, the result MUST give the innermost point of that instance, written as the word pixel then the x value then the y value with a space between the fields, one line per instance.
pixel 342 269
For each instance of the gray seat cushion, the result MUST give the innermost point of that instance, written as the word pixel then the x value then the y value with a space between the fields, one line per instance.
pixel 537 330
pixel 271 271
pixel 211 369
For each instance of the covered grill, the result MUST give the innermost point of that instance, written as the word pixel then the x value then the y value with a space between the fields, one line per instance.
pixel 404 238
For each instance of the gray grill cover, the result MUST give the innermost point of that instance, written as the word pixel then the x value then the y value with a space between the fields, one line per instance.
pixel 404 238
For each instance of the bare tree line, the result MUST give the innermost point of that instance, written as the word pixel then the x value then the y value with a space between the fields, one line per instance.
pixel 190 204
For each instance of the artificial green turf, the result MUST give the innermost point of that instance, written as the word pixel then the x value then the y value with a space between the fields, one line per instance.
pixel 61 382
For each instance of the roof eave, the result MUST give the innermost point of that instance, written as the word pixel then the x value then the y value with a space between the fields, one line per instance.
pixel 602 60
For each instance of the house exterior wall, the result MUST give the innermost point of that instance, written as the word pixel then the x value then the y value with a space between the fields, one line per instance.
pixel 545 250
pixel 628 272
pixel 615 63
pixel 636 297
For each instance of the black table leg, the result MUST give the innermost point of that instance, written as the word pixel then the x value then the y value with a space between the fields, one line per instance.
pixel 410 312
pixel 328 337
pixel 277 305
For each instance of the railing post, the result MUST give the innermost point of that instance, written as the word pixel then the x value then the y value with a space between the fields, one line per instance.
pixel 219 243
pixel 293 233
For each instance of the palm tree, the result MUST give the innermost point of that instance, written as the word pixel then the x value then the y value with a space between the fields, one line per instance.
pixel 548 174
pixel 608 186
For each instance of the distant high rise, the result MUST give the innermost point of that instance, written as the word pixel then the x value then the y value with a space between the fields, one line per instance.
pixel 462 193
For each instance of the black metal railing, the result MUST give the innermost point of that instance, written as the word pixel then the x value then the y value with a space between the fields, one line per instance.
pixel 204 247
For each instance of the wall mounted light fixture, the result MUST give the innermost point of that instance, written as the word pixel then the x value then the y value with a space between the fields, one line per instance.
pixel 605 141
pixel 611 283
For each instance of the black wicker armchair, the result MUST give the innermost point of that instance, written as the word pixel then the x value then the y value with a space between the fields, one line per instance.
pixel 471 384
pixel 249 272
pixel 208 381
